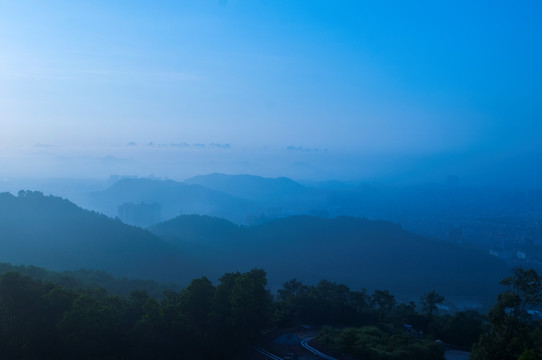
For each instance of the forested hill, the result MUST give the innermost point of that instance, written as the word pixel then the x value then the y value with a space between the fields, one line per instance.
pixel 54 233
pixel 175 198
pixel 91 280
pixel 357 252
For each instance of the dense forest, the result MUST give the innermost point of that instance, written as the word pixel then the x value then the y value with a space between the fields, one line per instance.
pixel 42 319
pixel 84 279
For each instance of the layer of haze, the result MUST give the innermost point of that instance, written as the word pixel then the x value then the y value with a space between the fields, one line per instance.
pixel 308 89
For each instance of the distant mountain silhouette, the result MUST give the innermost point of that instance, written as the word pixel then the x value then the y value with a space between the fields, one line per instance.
pixel 357 252
pixel 54 233
pixel 242 199
pixel 249 186
pixel 276 197
pixel 174 197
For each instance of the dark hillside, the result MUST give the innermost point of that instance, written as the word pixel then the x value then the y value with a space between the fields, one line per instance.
pixel 357 252
pixel 379 254
pixel 91 280
pixel 54 233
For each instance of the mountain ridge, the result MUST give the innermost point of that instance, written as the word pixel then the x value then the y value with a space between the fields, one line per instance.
pixel 250 187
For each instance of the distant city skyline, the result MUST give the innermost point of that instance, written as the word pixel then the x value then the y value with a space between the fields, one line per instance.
pixel 307 89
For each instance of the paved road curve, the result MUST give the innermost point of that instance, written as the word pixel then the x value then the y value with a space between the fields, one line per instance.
pixel 305 344
pixel 268 354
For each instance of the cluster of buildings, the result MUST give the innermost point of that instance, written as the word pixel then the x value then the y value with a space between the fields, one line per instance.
pixel 142 214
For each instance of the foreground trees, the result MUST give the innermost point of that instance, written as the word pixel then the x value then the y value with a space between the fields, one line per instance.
pixel 379 343
pixel 204 321
pixel 43 320
pixel 430 302
pixel 512 331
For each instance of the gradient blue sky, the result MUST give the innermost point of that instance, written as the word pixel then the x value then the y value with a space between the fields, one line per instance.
pixel 347 89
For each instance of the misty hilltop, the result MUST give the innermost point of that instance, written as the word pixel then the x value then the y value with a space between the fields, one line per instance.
pixel 250 186
pixel 175 198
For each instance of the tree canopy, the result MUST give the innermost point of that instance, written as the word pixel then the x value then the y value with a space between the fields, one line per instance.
pixel 512 330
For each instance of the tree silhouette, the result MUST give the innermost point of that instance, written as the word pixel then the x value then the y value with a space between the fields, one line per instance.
pixel 430 302
pixel 511 325
pixel 383 302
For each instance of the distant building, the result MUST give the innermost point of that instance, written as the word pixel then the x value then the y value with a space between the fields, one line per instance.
pixel 142 215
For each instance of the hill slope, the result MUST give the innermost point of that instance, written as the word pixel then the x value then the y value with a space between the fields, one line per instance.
pixel 91 280
pixel 54 233
pixel 357 252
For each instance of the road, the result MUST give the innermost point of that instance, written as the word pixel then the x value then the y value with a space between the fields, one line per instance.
pixel 268 354
pixel 305 344
pixel 308 353
pixel 449 354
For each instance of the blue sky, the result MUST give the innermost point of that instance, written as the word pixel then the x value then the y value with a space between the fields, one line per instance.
pixel 359 84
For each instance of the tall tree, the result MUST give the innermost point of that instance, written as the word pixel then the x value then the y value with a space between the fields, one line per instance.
pixel 383 302
pixel 511 325
pixel 250 305
pixel 430 302
pixel 291 289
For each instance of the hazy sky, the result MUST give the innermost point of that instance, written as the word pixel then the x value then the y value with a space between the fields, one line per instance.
pixel 325 88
